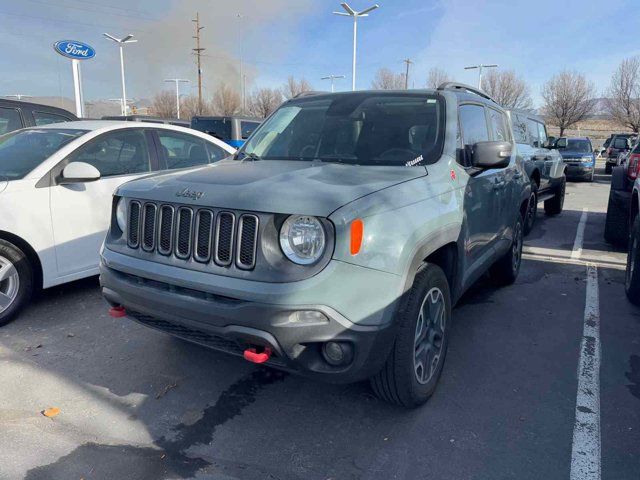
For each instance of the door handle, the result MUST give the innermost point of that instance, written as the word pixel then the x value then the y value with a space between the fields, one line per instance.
pixel 517 175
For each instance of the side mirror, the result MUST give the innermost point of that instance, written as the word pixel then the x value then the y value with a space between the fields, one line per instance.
pixel 550 143
pixel 79 172
pixel 561 143
pixel 488 155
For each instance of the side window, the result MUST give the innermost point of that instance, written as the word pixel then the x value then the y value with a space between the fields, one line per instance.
pixel 182 150
pixel 9 120
pixel 216 153
pixel 122 152
pixel 42 118
pixel 247 128
pixel 542 133
pixel 520 129
pixel 499 126
pixel 473 123
pixel 534 133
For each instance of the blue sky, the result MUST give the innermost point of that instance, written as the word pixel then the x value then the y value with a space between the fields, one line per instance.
pixel 302 38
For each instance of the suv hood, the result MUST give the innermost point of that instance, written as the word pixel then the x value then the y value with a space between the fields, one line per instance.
pixel 309 188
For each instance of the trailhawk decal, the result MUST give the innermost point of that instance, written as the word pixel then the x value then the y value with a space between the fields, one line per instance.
pixel 415 161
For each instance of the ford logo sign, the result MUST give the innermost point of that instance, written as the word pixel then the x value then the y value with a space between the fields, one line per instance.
pixel 74 49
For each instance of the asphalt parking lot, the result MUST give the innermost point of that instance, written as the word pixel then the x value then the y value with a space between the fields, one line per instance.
pixel 137 404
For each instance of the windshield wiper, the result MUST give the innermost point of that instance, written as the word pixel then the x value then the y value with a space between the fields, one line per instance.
pixel 251 156
pixel 338 158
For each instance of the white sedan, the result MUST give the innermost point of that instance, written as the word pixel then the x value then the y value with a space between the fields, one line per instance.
pixel 56 187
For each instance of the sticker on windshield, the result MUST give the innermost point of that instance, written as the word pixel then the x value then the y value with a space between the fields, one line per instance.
pixel 415 161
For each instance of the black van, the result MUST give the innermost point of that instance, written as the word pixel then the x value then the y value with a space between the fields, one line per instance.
pixel 232 130
pixel 16 114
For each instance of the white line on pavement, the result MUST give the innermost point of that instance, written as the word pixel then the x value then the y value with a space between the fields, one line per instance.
pixel 577 243
pixel 586 449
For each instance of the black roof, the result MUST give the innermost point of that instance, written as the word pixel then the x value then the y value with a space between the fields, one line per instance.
pixel 5 102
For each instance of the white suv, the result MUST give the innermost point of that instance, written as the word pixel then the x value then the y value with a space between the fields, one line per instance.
pixel 56 187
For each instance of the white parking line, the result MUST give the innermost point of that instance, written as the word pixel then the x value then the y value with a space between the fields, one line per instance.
pixel 577 243
pixel 586 449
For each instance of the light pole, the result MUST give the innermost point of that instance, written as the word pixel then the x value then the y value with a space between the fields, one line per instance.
pixel 177 81
pixel 480 67
pixel 121 42
pixel 239 16
pixel 350 12
pixel 332 78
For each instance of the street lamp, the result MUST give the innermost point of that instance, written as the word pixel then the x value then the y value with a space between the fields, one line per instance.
pixel 121 42
pixel 350 12
pixel 332 78
pixel 480 67
pixel 177 81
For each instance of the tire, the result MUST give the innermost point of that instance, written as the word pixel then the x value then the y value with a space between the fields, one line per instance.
pixel 554 205
pixel 532 210
pixel 506 269
pixel 16 286
pixel 403 380
pixel 616 227
pixel 608 167
pixel 632 275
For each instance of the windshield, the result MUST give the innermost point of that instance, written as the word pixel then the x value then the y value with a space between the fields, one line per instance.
pixel 218 127
pixel 370 128
pixel 579 146
pixel 23 150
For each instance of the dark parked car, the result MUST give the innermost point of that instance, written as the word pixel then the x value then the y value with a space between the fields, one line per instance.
pixel 616 227
pixel 232 130
pixel 578 156
pixel 15 114
pixel 620 143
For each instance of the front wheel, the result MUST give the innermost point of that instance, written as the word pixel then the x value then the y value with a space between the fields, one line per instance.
pixel 16 281
pixel 632 276
pixel 411 372
pixel 554 205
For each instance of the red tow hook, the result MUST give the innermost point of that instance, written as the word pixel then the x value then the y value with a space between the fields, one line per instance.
pixel 117 312
pixel 252 355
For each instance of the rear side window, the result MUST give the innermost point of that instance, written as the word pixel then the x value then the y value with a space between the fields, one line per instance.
pixel 499 126
pixel 43 118
pixel 247 128
pixel 534 133
pixel 122 152
pixel 520 129
pixel 473 123
pixel 181 150
pixel 9 120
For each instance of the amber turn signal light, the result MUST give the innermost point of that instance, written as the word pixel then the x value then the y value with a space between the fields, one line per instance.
pixel 357 235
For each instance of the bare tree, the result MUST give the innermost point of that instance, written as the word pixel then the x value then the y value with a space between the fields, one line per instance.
pixel 437 77
pixel 264 101
pixel 385 79
pixel 568 99
pixel 295 87
pixel 189 107
pixel 226 100
pixel 507 89
pixel 163 104
pixel 623 102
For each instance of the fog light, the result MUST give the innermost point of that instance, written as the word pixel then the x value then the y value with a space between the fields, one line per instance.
pixel 337 353
pixel 308 317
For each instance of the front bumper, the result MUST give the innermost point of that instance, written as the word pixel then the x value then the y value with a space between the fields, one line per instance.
pixel 579 171
pixel 233 323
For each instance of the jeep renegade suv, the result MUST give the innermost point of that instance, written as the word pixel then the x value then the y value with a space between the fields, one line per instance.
pixel 335 242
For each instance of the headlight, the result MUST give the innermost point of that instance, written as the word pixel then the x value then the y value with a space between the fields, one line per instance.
pixel 587 159
pixel 302 239
pixel 121 214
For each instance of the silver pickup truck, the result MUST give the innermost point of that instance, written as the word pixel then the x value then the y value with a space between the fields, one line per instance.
pixel 335 242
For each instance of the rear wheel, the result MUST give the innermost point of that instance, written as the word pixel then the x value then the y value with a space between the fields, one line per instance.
pixel 615 224
pixel 554 205
pixel 16 281
pixel 632 277
pixel 411 372
pixel 532 209
pixel 506 269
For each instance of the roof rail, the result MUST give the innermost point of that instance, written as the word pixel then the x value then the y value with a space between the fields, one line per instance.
pixel 309 93
pixel 465 87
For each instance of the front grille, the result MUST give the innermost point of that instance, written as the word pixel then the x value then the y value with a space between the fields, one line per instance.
pixel 205 235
